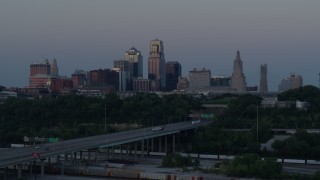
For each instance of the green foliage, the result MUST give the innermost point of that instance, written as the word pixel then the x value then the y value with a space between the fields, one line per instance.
pixel 308 93
pixel 316 176
pixel 222 99
pixel 214 140
pixel 176 160
pixel 300 145
pixel 250 165
pixel 78 116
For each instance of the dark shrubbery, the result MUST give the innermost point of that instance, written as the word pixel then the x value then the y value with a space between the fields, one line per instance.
pixel 250 165
pixel 176 160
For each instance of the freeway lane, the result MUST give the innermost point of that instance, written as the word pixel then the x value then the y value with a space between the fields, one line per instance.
pixel 13 156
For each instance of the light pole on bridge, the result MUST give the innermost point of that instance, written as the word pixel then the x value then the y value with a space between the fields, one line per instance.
pixel 257 122
pixel 105 118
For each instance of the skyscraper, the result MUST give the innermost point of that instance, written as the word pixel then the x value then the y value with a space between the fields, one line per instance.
pixel 263 79
pixel 173 72
pixel 122 67
pixel 238 80
pixel 156 65
pixel 135 62
pixel 54 68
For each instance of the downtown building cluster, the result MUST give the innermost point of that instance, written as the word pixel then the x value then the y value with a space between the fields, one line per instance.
pixel 126 76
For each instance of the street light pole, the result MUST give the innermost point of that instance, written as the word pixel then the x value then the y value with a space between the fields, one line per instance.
pixel 257 123
pixel 105 117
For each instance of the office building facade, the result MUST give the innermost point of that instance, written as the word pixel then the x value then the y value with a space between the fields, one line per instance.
pixel 135 60
pixel 199 78
pixel 173 72
pixel 40 74
pixel 156 65
pixel 292 82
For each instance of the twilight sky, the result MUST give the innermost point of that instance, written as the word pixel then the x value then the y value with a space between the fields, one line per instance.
pixel 91 34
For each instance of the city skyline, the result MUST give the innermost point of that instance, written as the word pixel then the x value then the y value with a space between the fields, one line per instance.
pixel 91 35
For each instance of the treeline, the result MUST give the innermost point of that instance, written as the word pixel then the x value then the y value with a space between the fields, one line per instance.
pixel 301 145
pixel 214 140
pixel 243 112
pixel 76 116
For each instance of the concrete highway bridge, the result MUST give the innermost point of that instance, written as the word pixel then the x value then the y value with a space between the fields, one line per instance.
pixel 287 131
pixel 88 147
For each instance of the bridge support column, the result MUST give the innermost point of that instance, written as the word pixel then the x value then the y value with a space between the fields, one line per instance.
pixel 151 144
pixel 42 167
pixel 89 156
pixel 120 151
pixel 58 158
pixel 80 155
pixel 179 139
pixel 5 173
pixel 66 157
pixel 107 153
pixel 142 148
pixel 62 168
pixel 127 150
pixel 165 144
pixel 19 171
pixel 97 155
pixel 173 143
pixel 75 155
pixel 30 168
pixel 147 146
pixel 112 151
pixel 135 150
pixel 160 143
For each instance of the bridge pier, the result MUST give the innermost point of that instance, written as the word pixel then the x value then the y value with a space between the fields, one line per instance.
pixel 107 153
pixel 30 168
pixel 120 151
pixel 135 150
pixel 151 144
pixel 80 154
pixel 173 142
pixel 112 149
pixel 62 168
pixel 165 143
pixel 42 167
pixel 19 171
pixel 75 155
pixel 5 173
pixel 142 149
pixel 160 144
pixel 97 155
pixel 147 146
pixel 66 157
pixel 127 151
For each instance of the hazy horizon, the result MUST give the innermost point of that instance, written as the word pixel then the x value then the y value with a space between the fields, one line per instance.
pixel 92 34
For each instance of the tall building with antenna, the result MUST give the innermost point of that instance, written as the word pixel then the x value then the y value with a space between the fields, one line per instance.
pixel 263 79
pixel 238 80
